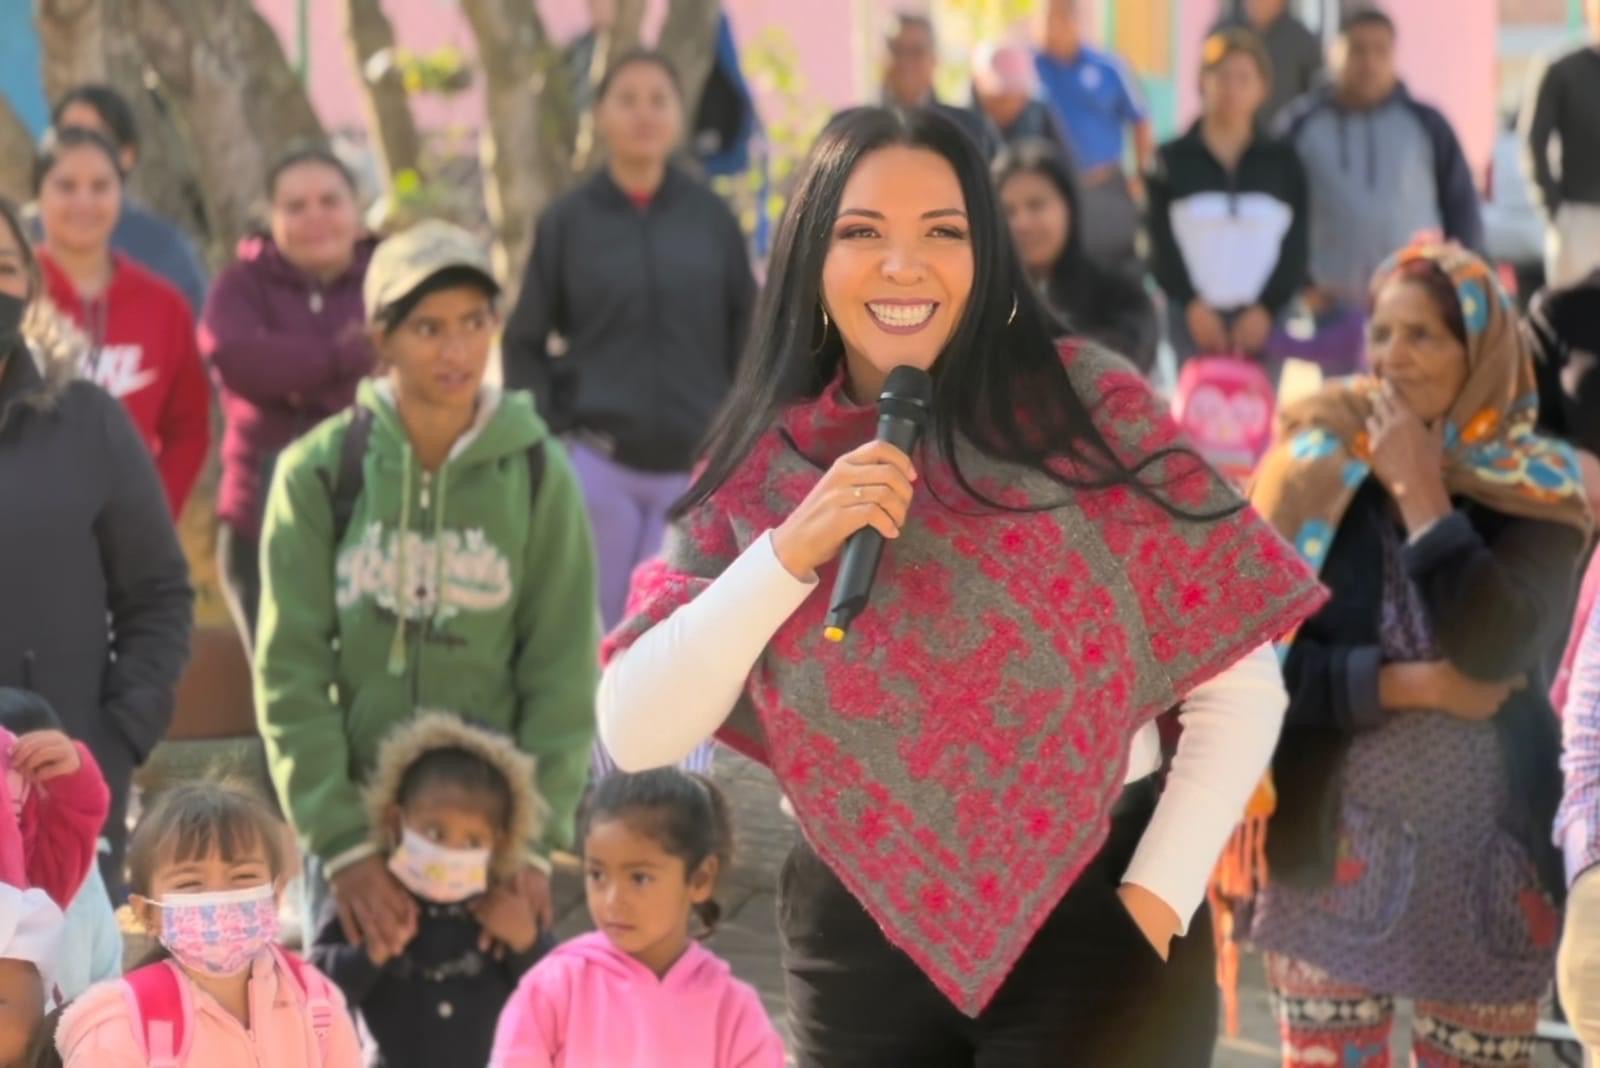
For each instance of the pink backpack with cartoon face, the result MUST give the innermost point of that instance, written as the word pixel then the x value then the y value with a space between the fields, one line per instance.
pixel 161 1008
pixel 1224 405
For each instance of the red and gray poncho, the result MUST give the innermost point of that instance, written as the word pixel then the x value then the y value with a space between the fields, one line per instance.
pixel 955 762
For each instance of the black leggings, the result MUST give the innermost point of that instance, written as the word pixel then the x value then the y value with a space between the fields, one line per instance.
pixel 239 575
pixel 1088 991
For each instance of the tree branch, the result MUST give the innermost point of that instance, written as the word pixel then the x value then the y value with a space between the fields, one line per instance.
pixel 384 98
pixel 240 102
pixel 526 144
pixel 689 40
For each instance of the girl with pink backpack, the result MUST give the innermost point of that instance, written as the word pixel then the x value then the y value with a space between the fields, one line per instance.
pixel 206 866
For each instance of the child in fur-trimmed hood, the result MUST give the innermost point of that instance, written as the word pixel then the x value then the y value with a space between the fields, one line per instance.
pixel 452 806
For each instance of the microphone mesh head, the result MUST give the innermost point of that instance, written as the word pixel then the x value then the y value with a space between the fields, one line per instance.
pixel 908 384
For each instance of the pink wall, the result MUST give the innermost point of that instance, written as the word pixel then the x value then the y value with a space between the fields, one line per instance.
pixel 831 36
pixel 823 32
pixel 1447 57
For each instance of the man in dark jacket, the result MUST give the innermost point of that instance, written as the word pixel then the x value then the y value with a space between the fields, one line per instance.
pixel 1564 333
pixel 908 80
pixel 85 537
pixel 1566 108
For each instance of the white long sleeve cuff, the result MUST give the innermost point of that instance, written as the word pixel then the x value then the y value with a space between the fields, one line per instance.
pixel 678 683
pixel 1230 728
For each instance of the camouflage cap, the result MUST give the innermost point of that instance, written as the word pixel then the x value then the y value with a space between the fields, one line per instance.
pixel 414 255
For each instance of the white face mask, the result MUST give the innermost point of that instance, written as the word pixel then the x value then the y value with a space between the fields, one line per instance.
pixel 436 873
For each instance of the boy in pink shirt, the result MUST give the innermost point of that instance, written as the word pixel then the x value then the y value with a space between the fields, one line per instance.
pixel 639 992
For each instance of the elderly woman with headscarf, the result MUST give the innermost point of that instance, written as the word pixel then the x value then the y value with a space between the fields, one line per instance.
pixel 1410 853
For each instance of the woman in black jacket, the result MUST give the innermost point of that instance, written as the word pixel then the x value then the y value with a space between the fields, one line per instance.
pixel 1228 222
pixel 1411 854
pixel 643 274
pixel 85 537
pixel 1040 198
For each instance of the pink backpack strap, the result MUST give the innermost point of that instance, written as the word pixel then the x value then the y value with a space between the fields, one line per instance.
pixel 318 994
pixel 161 1012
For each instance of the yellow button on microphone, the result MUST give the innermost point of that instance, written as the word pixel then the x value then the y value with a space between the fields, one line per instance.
pixel 833 634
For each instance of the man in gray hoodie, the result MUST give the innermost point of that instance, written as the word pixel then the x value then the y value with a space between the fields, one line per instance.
pixel 1381 168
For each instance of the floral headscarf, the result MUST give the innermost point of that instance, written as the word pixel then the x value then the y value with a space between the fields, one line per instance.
pixel 1492 453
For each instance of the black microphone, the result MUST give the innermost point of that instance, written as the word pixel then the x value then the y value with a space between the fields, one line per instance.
pixel 902 412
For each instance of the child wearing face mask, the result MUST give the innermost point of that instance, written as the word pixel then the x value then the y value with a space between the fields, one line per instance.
pixel 641 992
pixel 453 805
pixel 30 951
pixel 206 865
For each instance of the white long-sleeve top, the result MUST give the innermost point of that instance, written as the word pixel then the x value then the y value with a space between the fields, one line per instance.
pixel 674 688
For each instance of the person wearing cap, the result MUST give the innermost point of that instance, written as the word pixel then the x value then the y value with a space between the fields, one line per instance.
pixel 30 951
pixel 1005 89
pixel 427 549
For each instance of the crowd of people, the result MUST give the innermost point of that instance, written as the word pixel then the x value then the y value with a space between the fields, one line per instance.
pixel 492 626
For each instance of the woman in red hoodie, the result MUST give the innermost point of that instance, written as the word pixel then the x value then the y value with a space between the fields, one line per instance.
pixel 140 333
pixel 285 335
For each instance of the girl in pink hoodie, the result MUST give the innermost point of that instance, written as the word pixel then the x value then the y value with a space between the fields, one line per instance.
pixel 206 866
pixel 639 992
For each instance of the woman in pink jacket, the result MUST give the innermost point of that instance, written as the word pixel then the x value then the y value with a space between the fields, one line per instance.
pixel 206 866
pixel 639 992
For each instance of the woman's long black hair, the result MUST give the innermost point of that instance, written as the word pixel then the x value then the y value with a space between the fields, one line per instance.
pixel 998 375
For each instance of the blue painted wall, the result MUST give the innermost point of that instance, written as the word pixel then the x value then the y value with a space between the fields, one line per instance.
pixel 21 82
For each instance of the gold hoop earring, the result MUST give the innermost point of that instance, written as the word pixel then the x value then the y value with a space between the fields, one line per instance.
pixel 825 324
pixel 1013 317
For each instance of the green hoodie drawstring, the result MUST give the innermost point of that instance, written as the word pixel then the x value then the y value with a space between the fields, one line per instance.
pixel 402 593
pixel 397 647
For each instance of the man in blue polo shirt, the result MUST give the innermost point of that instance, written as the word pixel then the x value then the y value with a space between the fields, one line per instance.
pixel 1097 100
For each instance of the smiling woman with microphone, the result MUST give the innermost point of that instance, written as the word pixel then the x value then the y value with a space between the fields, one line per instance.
pixel 985 871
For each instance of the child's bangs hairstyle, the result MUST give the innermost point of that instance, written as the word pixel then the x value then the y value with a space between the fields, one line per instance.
pixel 686 814
pixel 197 820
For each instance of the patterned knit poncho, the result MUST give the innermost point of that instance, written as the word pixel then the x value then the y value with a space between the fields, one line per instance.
pixel 956 759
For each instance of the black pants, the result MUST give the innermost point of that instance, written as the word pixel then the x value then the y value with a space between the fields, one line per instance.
pixel 239 575
pixel 1088 991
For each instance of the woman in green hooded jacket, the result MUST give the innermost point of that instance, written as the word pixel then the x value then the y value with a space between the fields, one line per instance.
pixel 427 549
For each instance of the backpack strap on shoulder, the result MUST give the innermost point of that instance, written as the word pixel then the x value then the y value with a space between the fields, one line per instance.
pixel 161 1013
pixel 315 989
pixel 350 476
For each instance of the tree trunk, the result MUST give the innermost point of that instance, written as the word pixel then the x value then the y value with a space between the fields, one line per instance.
pixel 92 41
pixel 689 40
pixel 386 104
pixel 16 156
pixel 241 104
pixel 526 144
pixel 72 43
pixel 618 38
pixel 165 180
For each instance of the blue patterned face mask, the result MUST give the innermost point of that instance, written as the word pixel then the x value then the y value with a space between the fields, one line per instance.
pixel 219 933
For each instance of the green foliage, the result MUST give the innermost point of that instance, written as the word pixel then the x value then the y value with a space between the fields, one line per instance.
pixel 443 70
pixel 965 24
pixel 791 117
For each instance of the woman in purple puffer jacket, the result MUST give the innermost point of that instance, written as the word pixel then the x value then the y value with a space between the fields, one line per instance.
pixel 283 334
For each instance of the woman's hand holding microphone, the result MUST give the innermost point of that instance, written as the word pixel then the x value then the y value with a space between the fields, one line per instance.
pixel 868 487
